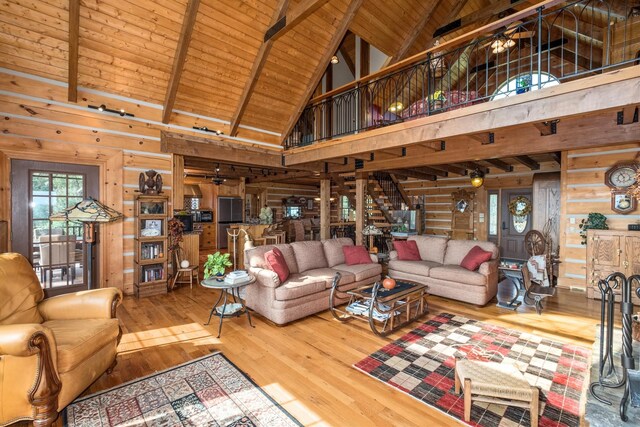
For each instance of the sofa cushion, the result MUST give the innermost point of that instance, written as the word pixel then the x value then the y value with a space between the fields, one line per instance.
pixel 431 248
pixel 455 273
pixel 421 268
pixel 77 340
pixel 299 285
pixel 458 249
pixel 333 250
pixel 327 274
pixel 254 257
pixel 354 255
pixel 309 255
pixel 407 250
pixel 474 258
pixel 361 271
pixel 276 263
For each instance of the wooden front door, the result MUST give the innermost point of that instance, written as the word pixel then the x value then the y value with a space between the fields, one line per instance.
pixel 54 248
pixel 511 236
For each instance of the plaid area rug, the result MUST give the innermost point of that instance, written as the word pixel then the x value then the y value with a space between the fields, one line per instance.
pixel 421 364
pixel 210 391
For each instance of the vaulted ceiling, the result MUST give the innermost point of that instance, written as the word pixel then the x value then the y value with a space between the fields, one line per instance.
pixel 132 48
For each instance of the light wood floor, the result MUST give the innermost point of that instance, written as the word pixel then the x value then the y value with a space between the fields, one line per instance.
pixel 306 366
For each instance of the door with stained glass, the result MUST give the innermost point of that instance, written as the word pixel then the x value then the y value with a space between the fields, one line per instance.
pixel 54 248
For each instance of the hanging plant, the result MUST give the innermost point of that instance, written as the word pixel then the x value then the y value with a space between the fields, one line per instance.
pixel 594 221
pixel 520 206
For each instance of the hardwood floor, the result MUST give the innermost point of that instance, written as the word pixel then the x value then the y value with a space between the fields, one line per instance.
pixel 306 366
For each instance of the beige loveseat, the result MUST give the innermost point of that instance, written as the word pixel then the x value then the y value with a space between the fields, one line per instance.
pixel 440 269
pixel 312 266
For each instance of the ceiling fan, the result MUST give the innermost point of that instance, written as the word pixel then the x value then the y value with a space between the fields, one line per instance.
pixel 217 180
pixel 507 39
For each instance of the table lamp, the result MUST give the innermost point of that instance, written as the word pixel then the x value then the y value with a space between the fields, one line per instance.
pixel 88 212
pixel 371 231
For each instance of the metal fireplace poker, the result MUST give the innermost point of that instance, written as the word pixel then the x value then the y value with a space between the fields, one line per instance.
pixel 630 376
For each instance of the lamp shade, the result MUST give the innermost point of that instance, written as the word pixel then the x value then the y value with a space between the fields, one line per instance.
pixel 88 210
pixel 371 230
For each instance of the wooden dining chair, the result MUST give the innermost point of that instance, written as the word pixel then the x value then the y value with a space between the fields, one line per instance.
pixel 188 271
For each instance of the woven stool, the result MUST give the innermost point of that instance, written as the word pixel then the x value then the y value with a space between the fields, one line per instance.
pixel 492 382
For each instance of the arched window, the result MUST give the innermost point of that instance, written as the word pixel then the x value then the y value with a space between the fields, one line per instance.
pixel 524 83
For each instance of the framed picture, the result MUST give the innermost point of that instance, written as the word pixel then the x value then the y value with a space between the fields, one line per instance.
pixel 622 203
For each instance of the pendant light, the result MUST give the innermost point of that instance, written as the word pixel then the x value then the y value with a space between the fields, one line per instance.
pixel 477 178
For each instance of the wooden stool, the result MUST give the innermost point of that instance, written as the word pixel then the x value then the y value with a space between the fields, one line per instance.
pixel 189 271
pixel 498 383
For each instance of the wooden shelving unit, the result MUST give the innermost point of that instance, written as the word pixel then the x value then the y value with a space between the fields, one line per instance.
pixel 150 257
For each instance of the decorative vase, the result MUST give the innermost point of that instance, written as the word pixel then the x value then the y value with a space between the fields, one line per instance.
pixel 219 277
pixel 184 263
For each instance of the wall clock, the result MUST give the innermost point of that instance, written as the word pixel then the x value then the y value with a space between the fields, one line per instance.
pixel 621 176
pixel 621 202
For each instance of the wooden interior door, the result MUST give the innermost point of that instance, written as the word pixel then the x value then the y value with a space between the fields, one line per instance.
pixel 546 209
pixel 512 240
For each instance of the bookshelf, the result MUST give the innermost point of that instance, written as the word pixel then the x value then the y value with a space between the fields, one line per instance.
pixel 150 257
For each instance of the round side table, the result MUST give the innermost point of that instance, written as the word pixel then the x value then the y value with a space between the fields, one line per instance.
pixel 227 308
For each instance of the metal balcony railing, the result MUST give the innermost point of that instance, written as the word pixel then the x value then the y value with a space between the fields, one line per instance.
pixel 540 46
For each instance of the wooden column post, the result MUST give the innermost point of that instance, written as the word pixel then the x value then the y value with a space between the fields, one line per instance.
pixel 361 186
pixel 325 208
pixel 177 174
pixel 242 190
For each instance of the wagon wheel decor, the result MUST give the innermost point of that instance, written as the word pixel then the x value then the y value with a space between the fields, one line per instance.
pixel 535 243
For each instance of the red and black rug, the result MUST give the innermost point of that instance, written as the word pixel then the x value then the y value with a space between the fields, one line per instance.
pixel 421 364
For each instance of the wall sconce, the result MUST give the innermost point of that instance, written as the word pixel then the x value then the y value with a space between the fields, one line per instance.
pixel 396 107
pixel 103 108
pixel 335 59
pixel 477 178
pixel 206 129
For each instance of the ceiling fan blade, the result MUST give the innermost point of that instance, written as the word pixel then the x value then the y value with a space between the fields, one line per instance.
pixel 523 35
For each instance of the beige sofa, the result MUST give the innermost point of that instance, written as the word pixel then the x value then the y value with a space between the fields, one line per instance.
pixel 440 269
pixel 312 266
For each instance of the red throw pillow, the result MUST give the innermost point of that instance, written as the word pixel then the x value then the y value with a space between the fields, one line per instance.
pixel 407 250
pixel 474 258
pixel 354 255
pixel 276 263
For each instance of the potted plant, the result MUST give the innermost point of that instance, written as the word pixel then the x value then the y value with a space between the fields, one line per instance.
pixel 215 265
pixel 594 221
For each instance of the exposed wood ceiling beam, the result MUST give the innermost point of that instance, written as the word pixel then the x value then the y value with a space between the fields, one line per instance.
pixel 473 166
pixel 458 170
pixel 345 54
pixel 528 162
pixel 500 164
pixel 431 171
pixel 195 146
pixel 293 18
pixel 413 174
pixel 282 176
pixel 256 69
pixel 322 65
pixel 182 48
pixel 74 38
pixel 557 157
pixel 414 34
pixel 495 9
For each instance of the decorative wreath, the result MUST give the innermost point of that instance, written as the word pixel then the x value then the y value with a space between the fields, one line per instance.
pixel 520 206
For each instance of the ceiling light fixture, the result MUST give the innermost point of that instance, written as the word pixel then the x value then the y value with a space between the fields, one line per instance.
pixel 335 59
pixel 501 45
pixel 103 109
pixel 477 178
pixel 396 107
pixel 206 129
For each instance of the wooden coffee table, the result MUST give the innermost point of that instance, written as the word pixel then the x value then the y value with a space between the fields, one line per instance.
pixel 385 310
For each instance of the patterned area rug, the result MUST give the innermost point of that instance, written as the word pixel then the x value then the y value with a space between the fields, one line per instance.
pixel 421 364
pixel 210 391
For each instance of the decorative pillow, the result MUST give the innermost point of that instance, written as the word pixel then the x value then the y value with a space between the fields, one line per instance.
pixel 474 258
pixel 354 255
pixel 276 263
pixel 407 250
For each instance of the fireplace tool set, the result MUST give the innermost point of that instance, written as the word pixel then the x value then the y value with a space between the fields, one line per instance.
pixel 607 376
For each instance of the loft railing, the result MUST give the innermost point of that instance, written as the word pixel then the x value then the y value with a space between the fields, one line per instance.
pixel 540 46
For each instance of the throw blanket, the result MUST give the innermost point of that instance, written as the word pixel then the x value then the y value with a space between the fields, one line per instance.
pixel 537 266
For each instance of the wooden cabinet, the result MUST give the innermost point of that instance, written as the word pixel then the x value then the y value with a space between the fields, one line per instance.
pixel 208 236
pixel 610 251
pixel 151 246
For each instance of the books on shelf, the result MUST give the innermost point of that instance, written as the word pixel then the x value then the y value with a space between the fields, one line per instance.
pixel 151 250
pixel 152 273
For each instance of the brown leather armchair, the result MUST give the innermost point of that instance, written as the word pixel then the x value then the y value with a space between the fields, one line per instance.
pixel 50 350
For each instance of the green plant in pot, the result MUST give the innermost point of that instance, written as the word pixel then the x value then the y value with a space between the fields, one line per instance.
pixel 215 265
pixel 594 221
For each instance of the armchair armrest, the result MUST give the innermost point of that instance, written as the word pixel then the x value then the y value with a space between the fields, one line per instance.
pixel 93 304
pixel 265 277
pixel 393 255
pixel 489 267
pixel 374 258
pixel 18 340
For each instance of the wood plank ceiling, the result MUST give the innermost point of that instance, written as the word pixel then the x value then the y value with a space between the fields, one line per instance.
pixel 128 48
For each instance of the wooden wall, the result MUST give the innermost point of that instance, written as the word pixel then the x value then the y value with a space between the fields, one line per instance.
pixel 439 204
pixel 584 191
